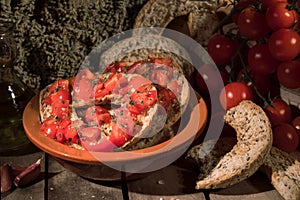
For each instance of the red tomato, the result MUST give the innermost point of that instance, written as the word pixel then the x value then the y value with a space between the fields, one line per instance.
pixel 296 124
pixel 279 112
pixel 284 44
pixel 71 134
pixel 278 16
pixel 92 140
pixel 252 24
pixel 125 120
pixel 118 136
pixel 49 127
pixel 285 137
pixel 61 109
pixel 60 134
pixel 103 145
pixel 97 115
pixel 61 84
pixel 288 74
pixel 267 3
pixel 233 93
pixel 161 61
pixel 106 84
pixel 159 76
pixel 116 67
pixel 91 134
pixel 85 73
pixel 261 61
pixel 221 49
pixel 262 82
pixel 61 95
pixel 164 97
pixel 174 87
pixel 143 98
pixel 83 89
pixel 242 4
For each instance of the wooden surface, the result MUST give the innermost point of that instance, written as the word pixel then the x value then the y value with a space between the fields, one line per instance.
pixel 174 182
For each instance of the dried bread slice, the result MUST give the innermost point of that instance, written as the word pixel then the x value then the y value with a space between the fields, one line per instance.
pixel 284 172
pixel 207 154
pixel 254 141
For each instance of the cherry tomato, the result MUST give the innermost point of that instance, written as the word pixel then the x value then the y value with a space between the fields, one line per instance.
pixel 93 140
pixel 260 59
pixel 221 49
pixel 159 77
pixel 285 137
pixel 116 67
pixel 118 136
pixel 278 16
pixel 161 61
pixel 284 44
pixel 83 89
pixel 85 73
pixel 61 109
pixel 252 24
pixel 296 124
pixel 233 93
pixel 279 112
pixel 97 115
pixel 288 74
pixel 106 85
pixel 61 95
pixel 61 84
pixel 267 3
pixel 143 98
pixel 174 87
pixel 262 82
pixel 242 4
pixel 49 127
pixel 71 135
pixel 164 97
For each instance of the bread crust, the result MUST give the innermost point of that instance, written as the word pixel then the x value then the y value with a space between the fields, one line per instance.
pixel 284 173
pixel 254 141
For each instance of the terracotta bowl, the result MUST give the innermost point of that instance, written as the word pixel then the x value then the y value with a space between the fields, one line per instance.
pixel 116 165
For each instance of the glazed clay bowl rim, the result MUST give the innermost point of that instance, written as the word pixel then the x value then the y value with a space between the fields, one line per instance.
pixel 31 123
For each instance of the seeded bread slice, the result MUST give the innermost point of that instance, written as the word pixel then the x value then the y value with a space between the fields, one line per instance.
pixel 284 172
pixel 254 141
pixel 207 154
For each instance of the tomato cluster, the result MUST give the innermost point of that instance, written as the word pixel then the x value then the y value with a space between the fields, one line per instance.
pixel 257 49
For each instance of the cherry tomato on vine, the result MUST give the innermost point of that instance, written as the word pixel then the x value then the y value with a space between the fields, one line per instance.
pixel 284 44
pixel 285 137
pixel 221 49
pixel 279 112
pixel 296 124
pixel 252 24
pixel 261 61
pixel 288 74
pixel 233 93
pixel 242 4
pixel 278 16
pixel 267 3
pixel 262 82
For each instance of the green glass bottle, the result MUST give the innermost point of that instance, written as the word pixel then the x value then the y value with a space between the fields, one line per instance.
pixel 14 96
